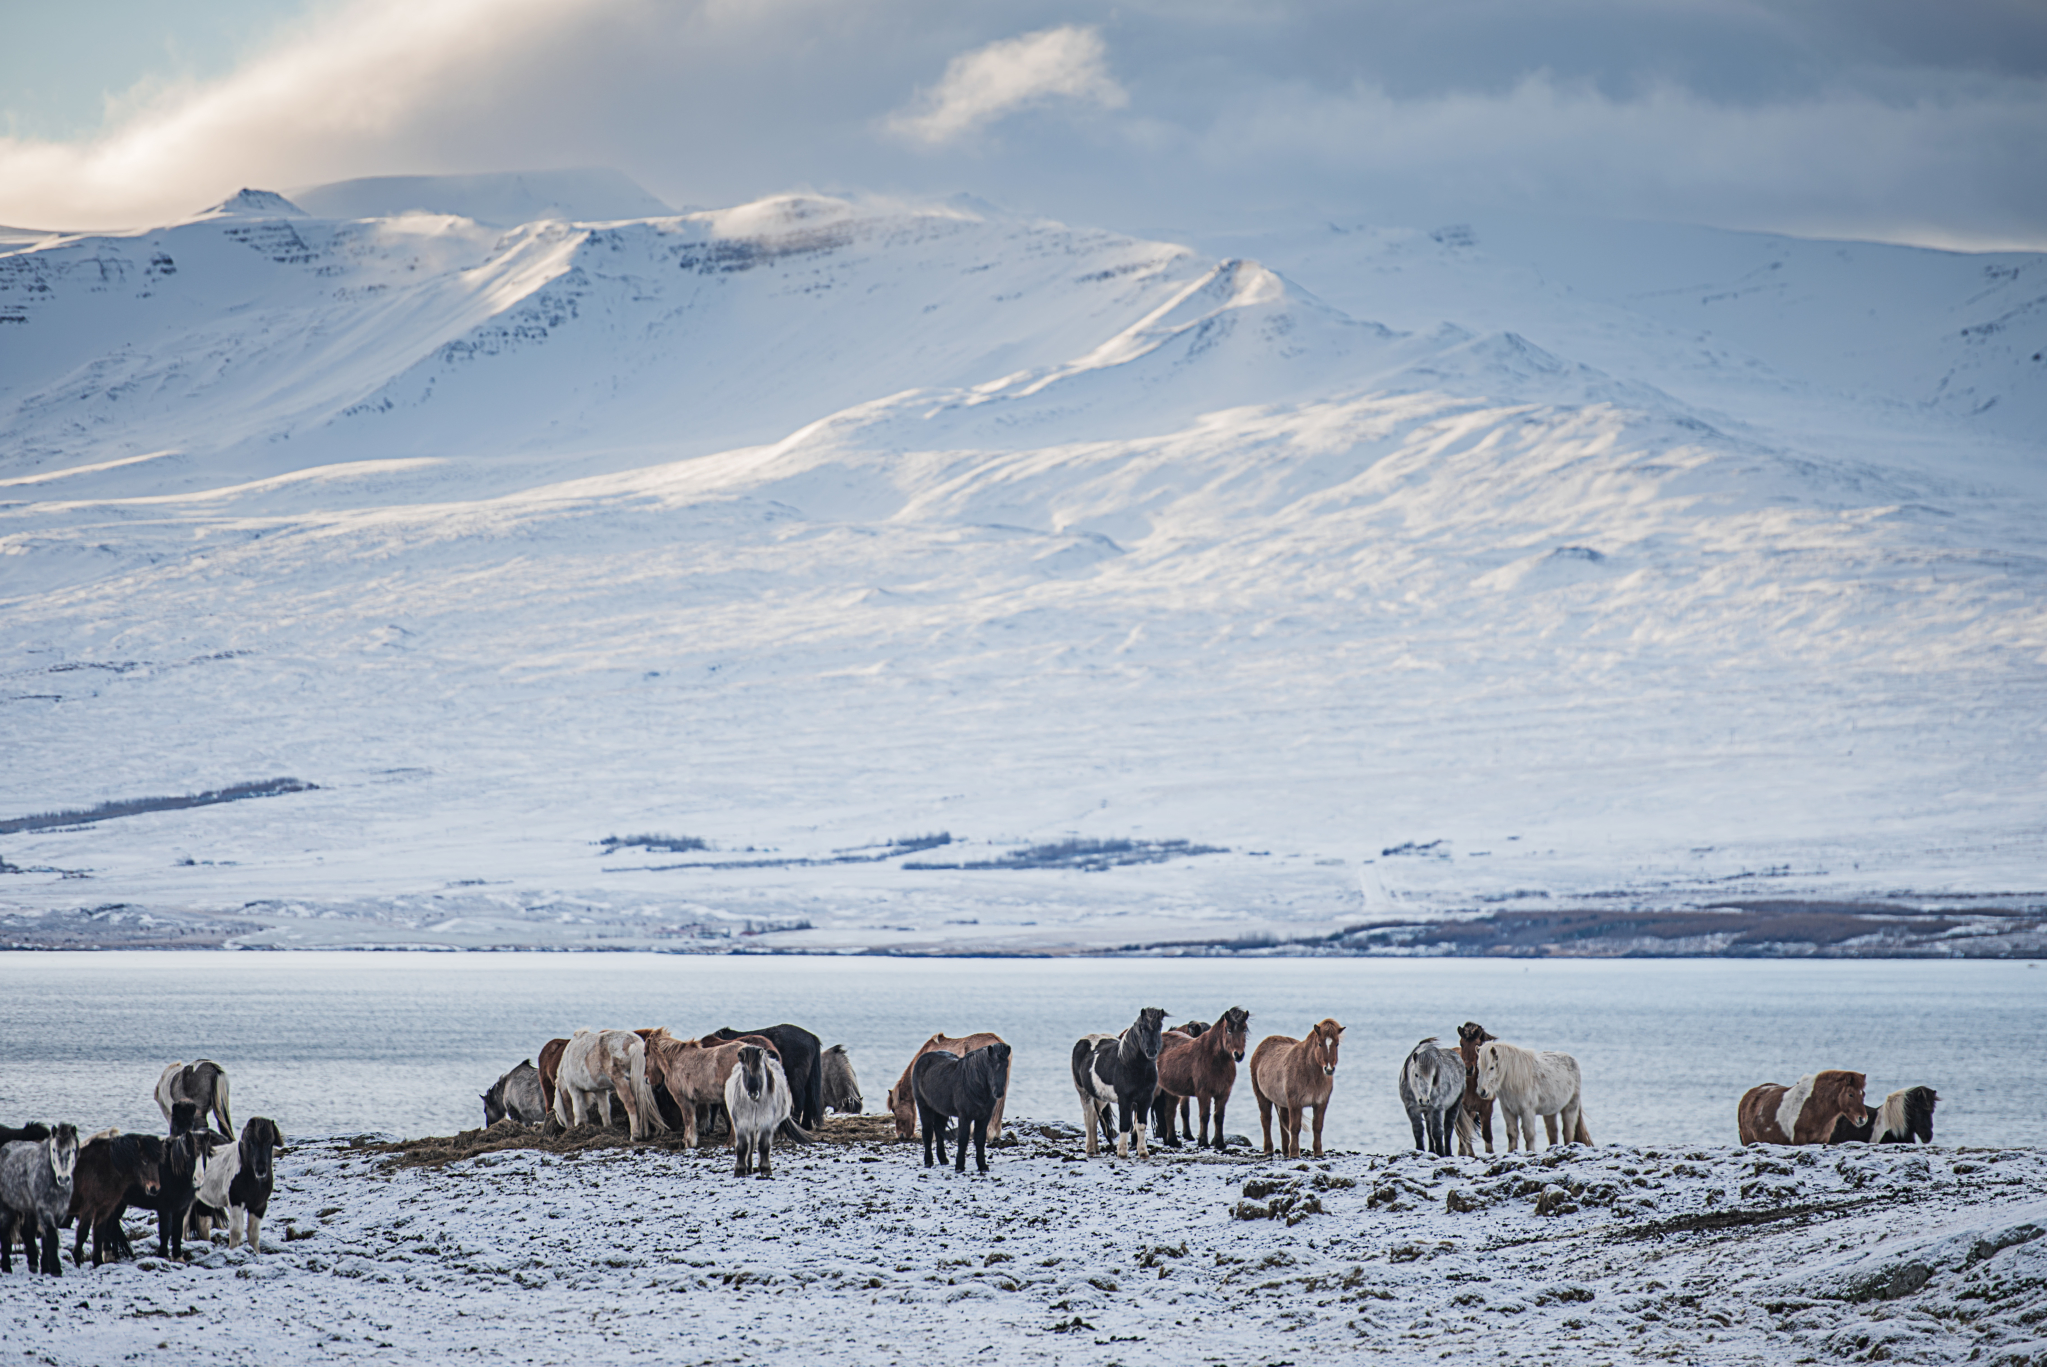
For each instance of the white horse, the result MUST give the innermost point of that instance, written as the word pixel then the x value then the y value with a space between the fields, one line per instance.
pixel 757 1100
pixel 1530 1083
pixel 597 1066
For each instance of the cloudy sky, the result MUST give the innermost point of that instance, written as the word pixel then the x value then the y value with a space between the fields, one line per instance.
pixel 1891 119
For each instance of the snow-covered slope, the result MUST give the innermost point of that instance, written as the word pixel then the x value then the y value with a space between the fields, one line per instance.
pixel 806 526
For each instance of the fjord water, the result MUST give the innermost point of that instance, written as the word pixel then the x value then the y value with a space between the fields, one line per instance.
pixel 342 1043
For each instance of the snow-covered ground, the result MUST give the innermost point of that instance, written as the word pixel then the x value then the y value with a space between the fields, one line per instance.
pixel 1412 572
pixel 855 1253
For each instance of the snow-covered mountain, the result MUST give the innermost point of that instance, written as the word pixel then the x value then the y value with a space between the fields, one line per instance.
pixel 1408 572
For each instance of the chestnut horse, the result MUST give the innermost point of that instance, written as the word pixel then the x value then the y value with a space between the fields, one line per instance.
pixel 1803 1113
pixel 548 1063
pixel 693 1073
pixel 903 1104
pixel 1476 1115
pixel 1291 1075
pixel 1201 1065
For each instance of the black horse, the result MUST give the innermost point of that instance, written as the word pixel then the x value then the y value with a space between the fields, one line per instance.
pixel 964 1088
pixel 802 1063
pixel 1120 1071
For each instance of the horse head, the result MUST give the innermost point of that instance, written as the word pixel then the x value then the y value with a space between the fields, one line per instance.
pixel 1149 1030
pixel 63 1147
pixel 1489 1070
pixel 1236 1031
pixel 998 1061
pixel 753 1070
pixel 1328 1034
pixel 184 1115
pixel 260 1140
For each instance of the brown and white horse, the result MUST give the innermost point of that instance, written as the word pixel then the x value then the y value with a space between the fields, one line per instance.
pixel 599 1065
pixel 1476 1115
pixel 1803 1113
pixel 1290 1076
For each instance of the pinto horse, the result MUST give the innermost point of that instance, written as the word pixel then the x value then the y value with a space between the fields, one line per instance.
pixel 1290 1076
pixel 1200 1065
pixel 902 1100
pixel 1120 1071
pixel 599 1065
pixel 1476 1115
pixel 1803 1113
pixel 1905 1115
pixel 203 1083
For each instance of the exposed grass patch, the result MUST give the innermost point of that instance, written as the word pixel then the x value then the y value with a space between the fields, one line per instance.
pixel 659 844
pixel 1089 856
pixel 137 806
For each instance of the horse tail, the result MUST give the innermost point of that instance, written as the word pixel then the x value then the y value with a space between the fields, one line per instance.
pixel 643 1093
pixel 1467 1130
pixel 220 1100
pixel 1584 1133
pixel 789 1129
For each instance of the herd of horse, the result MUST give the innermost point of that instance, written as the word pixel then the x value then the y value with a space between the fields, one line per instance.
pixel 190 1178
pixel 780 1080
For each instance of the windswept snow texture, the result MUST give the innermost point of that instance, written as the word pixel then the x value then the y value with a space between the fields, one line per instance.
pixel 1648 569
pixel 855 1253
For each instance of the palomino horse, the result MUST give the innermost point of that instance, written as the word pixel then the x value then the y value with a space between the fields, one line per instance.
pixel 1120 1071
pixel 757 1099
pixel 1905 1115
pixel 1201 1065
pixel 601 1064
pixel 902 1103
pixel 1431 1087
pixel 1291 1076
pixel 1529 1083
pixel 203 1083
pixel 1476 1115
pixel 1803 1113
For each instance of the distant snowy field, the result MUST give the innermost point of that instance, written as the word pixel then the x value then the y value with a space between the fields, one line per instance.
pixel 1410 572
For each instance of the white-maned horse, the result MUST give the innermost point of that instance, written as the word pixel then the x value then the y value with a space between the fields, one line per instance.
pixel 597 1066
pixel 1529 1083
pixel 757 1100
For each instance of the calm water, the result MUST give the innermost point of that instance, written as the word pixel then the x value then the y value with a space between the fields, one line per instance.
pixel 329 1043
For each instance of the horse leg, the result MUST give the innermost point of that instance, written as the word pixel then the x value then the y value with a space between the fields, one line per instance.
pixel 1087 1122
pixel 767 1165
pixel 1122 1128
pixel 1415 1118
pixel 1549 1123
pixel 1202 1141
pixel 1485 1123
pixel 1265 1123
pixel 1187 1117
pixel 53 1247
pixel 742 1154
pixel 1137 1120
pixel 980 1143
pixel 1321 1114
pixel 1162 1119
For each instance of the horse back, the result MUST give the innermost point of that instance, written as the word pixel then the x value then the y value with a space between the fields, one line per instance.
pixel 1756 1114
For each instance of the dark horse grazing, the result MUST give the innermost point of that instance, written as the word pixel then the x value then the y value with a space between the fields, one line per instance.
pixel 802 1063
pixel 1477 1114
pixel 515 1095
pixel 1904 1116
pixel 1120 1071
pixel 1200 1066
pixel 965 1088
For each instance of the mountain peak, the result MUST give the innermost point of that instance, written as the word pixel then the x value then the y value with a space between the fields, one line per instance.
pixel 258 204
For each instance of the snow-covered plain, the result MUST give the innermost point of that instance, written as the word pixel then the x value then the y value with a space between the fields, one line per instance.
pixel 1412 571
pixel 855 1253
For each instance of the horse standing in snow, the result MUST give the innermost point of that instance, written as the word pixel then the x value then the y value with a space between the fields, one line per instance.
pixel 1803 1113
pixel 1476 1115
pixel 841 1084
pixel 1529 1083
pixel 1905 1115
pixel 1290 1075
pixel 1120 1071
pixel 35 1197
pixel 1200 1064
pixel 203 1083
pixel 601 1064
pixel 902 1098
pixel 968 1088
pixel 1432 1087
pixel 757 1100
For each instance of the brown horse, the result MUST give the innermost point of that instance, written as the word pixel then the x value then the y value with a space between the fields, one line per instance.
pixel 548 1063
pixel 694 1074
pixel 1203 1067
pixel 1803 1113
pixel 1292 1075
pixel 1477 1112
pixel 903 1105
